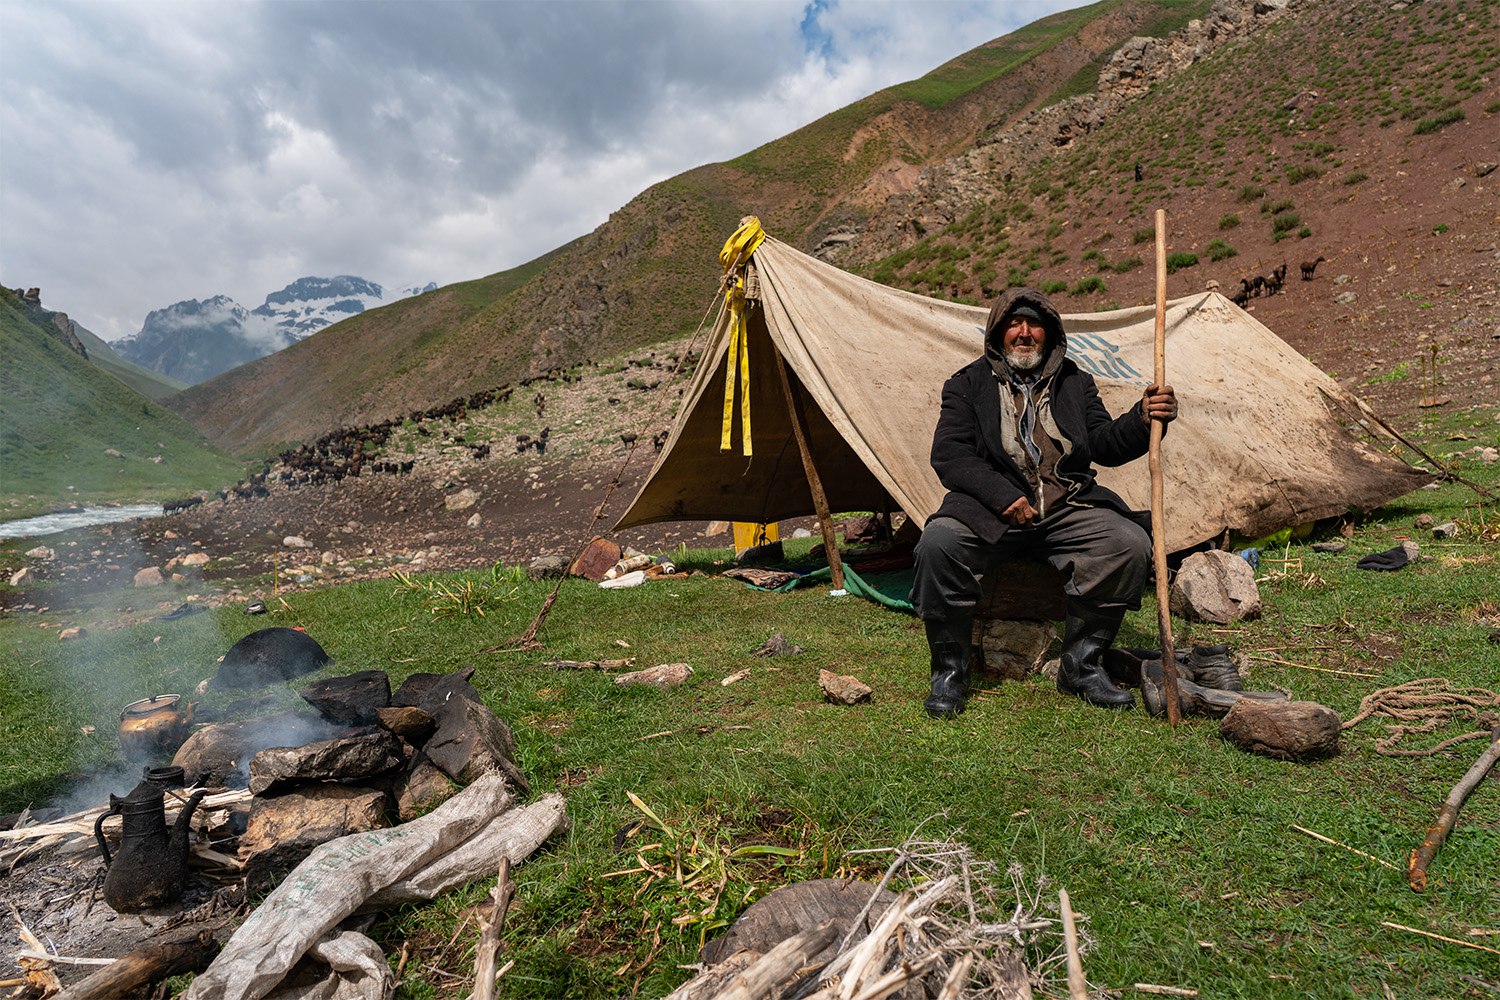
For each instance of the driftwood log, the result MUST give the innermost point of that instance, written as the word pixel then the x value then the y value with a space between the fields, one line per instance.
pixel 128 976
pixel 1421 856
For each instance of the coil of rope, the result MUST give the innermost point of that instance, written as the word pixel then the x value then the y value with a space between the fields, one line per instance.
pixel 1425 706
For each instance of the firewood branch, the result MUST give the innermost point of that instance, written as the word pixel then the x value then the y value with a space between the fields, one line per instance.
pixel 1421 857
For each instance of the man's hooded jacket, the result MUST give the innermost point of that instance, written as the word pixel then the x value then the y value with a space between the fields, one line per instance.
pixel 983 472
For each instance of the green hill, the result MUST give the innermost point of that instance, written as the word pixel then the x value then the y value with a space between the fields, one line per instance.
pixel 58 416
pixel 144 381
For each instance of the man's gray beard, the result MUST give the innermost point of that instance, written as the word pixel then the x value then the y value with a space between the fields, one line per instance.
pixel 1023 362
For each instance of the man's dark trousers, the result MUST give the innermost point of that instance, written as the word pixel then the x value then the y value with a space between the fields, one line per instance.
pixel 1105 555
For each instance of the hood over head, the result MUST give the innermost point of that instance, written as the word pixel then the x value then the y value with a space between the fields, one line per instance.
pixel 1034 302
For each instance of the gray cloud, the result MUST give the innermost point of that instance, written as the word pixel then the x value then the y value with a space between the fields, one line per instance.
pixel 156 151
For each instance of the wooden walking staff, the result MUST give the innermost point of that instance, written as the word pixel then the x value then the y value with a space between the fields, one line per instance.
pixel 1158 505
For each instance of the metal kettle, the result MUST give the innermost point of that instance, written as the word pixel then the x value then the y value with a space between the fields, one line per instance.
pixel 154 726
pixel 150 868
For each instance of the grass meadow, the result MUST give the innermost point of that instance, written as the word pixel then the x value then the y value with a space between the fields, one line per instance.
pixel 1177 848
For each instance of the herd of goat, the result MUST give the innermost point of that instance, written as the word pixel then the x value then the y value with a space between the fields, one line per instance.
pixel 1270 284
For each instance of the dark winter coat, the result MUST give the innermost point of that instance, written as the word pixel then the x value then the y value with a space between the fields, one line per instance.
pixel 970 459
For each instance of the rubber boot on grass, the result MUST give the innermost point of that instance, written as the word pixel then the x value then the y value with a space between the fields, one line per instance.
pixel 1088 631
pixel 948 642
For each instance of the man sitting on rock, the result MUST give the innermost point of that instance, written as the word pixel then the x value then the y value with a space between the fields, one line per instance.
pixel 1020 431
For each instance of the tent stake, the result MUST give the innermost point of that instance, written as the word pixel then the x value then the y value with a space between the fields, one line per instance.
pixel 814 481
pixel 1158 505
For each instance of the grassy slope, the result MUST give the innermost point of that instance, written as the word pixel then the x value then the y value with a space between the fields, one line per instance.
pixel 148 383
pixel 1225 161
pixel 647 274
pixel 1178 847
pixel 58 414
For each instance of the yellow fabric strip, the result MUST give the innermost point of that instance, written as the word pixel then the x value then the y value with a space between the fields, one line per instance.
pixel 733 257
pixel 726 437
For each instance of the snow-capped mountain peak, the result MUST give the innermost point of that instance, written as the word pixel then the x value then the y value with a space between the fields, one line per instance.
pixel 194 340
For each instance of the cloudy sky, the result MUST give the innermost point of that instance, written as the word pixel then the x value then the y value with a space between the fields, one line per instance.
pixel 152 152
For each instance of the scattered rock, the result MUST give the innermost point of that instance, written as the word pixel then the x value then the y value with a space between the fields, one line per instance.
pixel 75 632
pixel 195 559
pixel 351 700
pixel 422 790
pixel 295 542
pixel 1345 298
pixel 1016 649
pixel 41 552
pixel 1484 169
pixel 842 689
pixel 547 567
pixel 473 521
pixel 113 453
pixel 777 645
pixel 1285 730
pixel 218 753
pixel 462 500
pixel 595 560
pixel 284 829
pixel 1332 545
pixel 661 675
pixel 1445 531
pixel 471 741
pixel 344 759
pixel 409 722
pixel 21 577
pixel 715 528
pixel 1215 586
pixel 149 577
pixel 1423 521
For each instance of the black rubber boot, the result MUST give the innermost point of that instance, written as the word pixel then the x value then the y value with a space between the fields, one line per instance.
pixel 1213 667
pixel 948 641
pixel 1088 631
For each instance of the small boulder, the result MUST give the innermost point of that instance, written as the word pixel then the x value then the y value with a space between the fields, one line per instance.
pixel 473 521
pixel 422 790
pixel 75 632
pixel 195 559
pixel 471 741
pixel 21 577
pixel 1285 730
pixel 218 754
pixel 1215 586
pixel 1016 649
pixel 410 723
pixel 284 829
pixel 295 542
pixel 41 552
pixel 149 577
pixel 547 568
pixel 462 500
pixel 841 689
pixel 352 700
pixel 345 759
pixel 1445 530
pixel 595 560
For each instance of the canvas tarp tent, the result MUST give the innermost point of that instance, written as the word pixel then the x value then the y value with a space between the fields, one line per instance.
pixel 1264 440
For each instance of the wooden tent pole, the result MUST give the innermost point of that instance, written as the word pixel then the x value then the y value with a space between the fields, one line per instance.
pixel 814 481
pixel 1158 506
